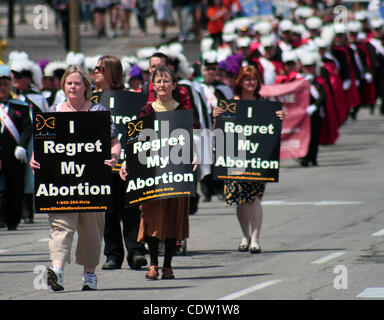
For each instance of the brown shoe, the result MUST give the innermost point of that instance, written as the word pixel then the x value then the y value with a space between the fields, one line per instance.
pixel 152 273
pixel 167 273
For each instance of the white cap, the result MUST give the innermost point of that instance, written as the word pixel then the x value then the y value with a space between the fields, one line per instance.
pixel 176 47
pixel 298 28
pixel 339 28
pixel 91 62
pixel 267 41
pixel 285 25
pixel 22 64
pixel 145 53
pixel 206 44
pixel 303 12
pixel 75 58
pixel 328 32
pixel 288 56
pixel 354 26
pixel 242 42
pixel 313 23
pixel 229 27
pixel 376 23
pixel 360 15
pixel 321 43
pixel 229 37
pixel 51 67
pixel 209 57
pixel 263 27
pixel 143 64
pixel 309 58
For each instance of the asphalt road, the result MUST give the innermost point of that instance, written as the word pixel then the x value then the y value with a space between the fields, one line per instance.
pixel 322 239
pixel 322 235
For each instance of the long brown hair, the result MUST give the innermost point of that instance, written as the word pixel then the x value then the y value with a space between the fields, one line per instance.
pixel 113 71
pixel 247 71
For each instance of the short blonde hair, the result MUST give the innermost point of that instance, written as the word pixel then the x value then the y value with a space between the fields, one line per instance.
pixel 86 80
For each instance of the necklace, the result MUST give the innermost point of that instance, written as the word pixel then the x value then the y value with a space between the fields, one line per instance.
pixel 74 108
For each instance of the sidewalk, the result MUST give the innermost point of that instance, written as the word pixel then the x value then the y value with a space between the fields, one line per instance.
pixel 45 44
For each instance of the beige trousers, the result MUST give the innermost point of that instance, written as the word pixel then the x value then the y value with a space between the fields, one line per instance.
pixel 90 230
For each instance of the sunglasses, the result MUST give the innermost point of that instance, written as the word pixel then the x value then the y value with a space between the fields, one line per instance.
pixel 99 68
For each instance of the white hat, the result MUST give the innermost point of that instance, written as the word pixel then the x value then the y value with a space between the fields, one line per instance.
pixel 321 43
pixel 303 12
pixel 298 28
pixel 90 62
pixel 229 27
pixel 313 23
pixel 223 53
pixel 21 64
pixel 267 41
pixel 206 44
pixel 143 64
pixel 376 23
pixel 309 58
pixel 242 22
pixel 19 55
pixel 53 66
pixel 360 15
pixel 354 26
pixel 145 53
pixel 339 28
pixel 209 57
pixel 243 42
pixel 263 27
pixel 74 58
pixel 288 56
pixel 176 47
pixel 328 33
pixel 229 37
pixel 285 25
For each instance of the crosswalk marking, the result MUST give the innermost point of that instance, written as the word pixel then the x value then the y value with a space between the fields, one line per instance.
pixel 328 257
pixel 378 233
pixel 256 287
pixel 372 293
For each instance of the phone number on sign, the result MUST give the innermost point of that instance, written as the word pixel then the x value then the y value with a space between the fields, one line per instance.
pixel 73 202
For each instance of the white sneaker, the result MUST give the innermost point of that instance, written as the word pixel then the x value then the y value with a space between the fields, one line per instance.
pixel 89 281
pixel 55 278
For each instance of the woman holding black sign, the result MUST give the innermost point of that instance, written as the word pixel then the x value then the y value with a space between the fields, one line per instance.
pixel 109 75
pixel 247 195
pixel 163 220
pixel 90 226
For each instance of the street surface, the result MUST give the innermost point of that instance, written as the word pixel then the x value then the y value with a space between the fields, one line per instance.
pixel 322 235
pixel 322 238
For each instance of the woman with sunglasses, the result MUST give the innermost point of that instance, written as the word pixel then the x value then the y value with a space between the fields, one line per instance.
pixel 109 76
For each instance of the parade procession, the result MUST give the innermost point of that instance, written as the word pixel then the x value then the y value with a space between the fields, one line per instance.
pixel 144 151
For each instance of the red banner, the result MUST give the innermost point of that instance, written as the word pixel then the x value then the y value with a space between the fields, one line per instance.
pixel 296 130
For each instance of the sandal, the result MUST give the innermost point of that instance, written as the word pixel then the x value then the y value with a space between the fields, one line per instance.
pixel 167 273
pixel 244 247
pixel 152 273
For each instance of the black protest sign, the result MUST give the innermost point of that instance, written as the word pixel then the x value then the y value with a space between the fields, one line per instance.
pixel 247 141
pixel 159 152
pixel 71 148
pixel 125 107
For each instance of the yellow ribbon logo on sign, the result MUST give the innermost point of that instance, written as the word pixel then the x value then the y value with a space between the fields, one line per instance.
pixel 227 107
pixel 132 128
pixel 41 122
